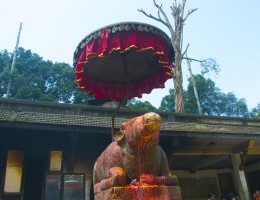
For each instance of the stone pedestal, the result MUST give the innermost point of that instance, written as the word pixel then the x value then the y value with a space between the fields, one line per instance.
pixel 141 193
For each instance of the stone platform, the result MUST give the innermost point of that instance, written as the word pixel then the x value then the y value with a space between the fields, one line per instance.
pixel 141 193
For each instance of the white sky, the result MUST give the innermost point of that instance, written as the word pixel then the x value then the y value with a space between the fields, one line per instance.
pixel 227 31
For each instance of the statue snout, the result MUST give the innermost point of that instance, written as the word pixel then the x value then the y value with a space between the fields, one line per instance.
pixel 152 121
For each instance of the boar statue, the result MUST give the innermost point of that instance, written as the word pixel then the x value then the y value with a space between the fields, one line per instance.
pixel 134 158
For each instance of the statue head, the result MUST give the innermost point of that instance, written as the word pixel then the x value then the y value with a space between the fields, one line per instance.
pixel 142 131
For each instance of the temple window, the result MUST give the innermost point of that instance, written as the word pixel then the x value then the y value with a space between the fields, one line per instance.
pixel 13 174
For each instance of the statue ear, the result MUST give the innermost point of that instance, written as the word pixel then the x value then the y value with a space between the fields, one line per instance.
pixel 119 135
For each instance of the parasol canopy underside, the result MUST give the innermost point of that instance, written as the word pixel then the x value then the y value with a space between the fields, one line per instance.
pixel 127 55
pixel 118 68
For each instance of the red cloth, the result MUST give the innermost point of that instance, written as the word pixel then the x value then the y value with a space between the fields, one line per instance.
pixel 122 41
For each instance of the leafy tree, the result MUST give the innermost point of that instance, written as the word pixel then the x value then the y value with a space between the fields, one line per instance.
pixel 37 79
pixel 80 96
pixel 139 105
pixel 208 65
pixel 167 103
pixel 233 106
pixel 208 95
pixel 213 101
pixel 5 60
pixel 255 112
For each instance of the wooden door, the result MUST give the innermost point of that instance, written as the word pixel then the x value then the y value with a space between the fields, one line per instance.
pixel 34 179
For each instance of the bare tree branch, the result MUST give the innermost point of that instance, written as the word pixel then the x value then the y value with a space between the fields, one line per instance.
pixel 194 85
pixel 176 13
pixel 159 16
pixel 186 50
pixel 165 17
pixel 182 13
pixel 189 12
pixel 175 10
pixel 192 59
pixel 151 16
pixel 182 8
pixel 207 65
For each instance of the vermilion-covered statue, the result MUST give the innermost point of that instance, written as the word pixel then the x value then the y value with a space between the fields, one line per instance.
pixel 135 158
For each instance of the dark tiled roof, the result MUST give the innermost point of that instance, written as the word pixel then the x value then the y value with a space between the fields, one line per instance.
pixel 33 114
pixel 57 119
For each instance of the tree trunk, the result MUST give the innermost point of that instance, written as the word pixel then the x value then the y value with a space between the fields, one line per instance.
pixel 178 89
pixel 13 63
pixel 176 33
pixel 194 87
pixel 178 79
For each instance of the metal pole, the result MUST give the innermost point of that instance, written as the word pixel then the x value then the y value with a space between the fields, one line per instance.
pixel 13 62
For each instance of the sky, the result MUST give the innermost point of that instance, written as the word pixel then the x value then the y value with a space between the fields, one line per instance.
pixel 227 31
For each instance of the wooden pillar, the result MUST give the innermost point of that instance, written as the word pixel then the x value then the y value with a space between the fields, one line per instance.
pixel 240 179
pixel 88 182
pixel 88 169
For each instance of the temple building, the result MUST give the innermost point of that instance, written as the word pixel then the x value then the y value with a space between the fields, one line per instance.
pixel 47 150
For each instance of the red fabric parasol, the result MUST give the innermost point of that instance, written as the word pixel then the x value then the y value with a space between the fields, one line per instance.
pixel 119 57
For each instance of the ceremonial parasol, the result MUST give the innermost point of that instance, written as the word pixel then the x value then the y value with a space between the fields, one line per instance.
pixel 123 60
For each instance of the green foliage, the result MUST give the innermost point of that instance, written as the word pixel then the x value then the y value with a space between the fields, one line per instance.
pixel 255 112
pixel 208 95
pixel 233 106
pixel 209 65
pixel 5 60
pixel 37 79
pixel 139 105
pixel 168 102
pixel 212 100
